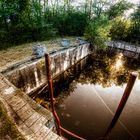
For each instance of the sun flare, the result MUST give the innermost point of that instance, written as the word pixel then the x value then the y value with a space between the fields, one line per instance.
pixel 119 62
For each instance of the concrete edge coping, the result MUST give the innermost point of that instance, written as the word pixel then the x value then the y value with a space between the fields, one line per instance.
pixel 29 134
pixel 32 59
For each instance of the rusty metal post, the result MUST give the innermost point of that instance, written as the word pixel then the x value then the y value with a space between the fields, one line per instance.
pixel 47 62
pixel 122 103
pixel 49 79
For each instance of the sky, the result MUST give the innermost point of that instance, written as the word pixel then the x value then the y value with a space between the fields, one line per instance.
pixel 75 2
pixel 80 1
pixel 134 1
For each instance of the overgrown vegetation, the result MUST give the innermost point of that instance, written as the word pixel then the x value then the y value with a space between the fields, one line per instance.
pixel 121 28
pixel 135 29
pixel 105 13
pixel 23 21
pixel 8 130
pixel 97 31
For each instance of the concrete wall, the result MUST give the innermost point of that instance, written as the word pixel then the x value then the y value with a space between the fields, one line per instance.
pixel 129 50
pixel 31 76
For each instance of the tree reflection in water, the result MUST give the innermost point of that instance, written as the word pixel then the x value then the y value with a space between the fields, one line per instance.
pixel 104 70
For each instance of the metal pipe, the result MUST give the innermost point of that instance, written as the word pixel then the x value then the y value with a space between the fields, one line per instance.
pixel 122 103
pixel 59 128
pixel 72 134
pixel 47 61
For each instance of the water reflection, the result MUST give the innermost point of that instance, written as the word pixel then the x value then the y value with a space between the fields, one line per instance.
pixel 86 100
pixel 119 62
pixel 87 106
pixel 105 71
pixel 102 69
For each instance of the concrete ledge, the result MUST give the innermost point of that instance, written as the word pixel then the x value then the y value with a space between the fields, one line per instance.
pixel 31 76
pixel 30 118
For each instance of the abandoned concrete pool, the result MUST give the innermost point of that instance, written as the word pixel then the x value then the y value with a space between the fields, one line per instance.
pixel 87 89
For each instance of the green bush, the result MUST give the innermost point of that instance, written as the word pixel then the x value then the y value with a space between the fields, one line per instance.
pixel 71 23
pixel 97 31
pixel 121 28
pixel 135 32
pixel 18 35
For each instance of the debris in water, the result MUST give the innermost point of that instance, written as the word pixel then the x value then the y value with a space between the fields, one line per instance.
pixel 62 114
pixel 68 115
pixel 62 106
pixel 77 123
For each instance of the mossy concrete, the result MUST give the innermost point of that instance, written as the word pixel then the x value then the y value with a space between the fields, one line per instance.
pixel 32 120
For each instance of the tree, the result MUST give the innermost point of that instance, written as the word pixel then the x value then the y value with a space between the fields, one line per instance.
pixel 11 10
pixel 118 8
pixel 135 33
pixel 97 31
pixel 103 11
pixel 110 8
pixel 120 29
pixel 99 7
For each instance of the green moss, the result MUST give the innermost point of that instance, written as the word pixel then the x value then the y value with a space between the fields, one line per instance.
pixel 8 129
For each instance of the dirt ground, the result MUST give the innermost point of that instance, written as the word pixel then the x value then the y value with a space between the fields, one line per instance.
pixel 15 54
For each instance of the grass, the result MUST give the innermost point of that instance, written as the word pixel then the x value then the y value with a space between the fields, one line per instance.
pixel 8 130
pixel 15 54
